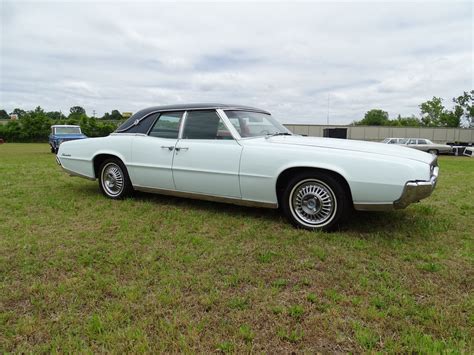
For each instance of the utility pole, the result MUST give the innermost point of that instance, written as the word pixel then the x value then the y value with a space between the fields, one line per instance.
pixel 327 120
pixel 93 113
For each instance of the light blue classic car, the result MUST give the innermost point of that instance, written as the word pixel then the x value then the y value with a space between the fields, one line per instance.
pixel 62 133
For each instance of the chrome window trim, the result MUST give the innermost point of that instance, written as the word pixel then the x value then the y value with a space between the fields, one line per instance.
pixel 216 108
pixel 233 131
pixel 181 125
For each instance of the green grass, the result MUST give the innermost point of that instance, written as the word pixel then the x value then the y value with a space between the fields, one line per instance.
pixel 79 272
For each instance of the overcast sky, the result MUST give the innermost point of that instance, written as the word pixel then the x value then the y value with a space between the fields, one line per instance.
pixel 283 57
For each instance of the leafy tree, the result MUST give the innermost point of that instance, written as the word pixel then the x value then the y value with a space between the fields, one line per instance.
pixel 406 121
pixel 4 115
pixel 465 108
pixel 450 118
pixel 431 111
pixel 434 114
pixel 116 115
pixel 374 117
pixel 76 112
pixel 11 132
pixel 35 125
pixel 106 116
pixel 19 112
pixel 55 115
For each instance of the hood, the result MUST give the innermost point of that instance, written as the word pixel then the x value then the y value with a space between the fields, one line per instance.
pixel 392 150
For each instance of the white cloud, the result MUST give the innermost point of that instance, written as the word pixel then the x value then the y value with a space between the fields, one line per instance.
pixel 284 57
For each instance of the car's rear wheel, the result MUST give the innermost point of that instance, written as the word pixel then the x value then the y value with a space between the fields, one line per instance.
pixel 114 181
pixel 433 151
pixel 315 201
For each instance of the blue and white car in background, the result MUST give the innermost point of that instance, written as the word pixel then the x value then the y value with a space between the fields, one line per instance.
pixel 63 133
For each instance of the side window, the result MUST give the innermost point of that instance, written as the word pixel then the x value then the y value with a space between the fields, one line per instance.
pixel 421 141
pixel 412 141
pixel 205 125
pixel 167 125
pixel 236 123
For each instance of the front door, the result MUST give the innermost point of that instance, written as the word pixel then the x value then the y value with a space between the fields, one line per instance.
pixel 206 158
pixel 152 154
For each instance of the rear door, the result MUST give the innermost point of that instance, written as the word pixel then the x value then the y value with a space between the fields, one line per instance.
pixel 152 154
pixel 412 143
pixel 207 157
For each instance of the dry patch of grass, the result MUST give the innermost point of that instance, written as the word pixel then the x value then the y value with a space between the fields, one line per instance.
pixel 79 272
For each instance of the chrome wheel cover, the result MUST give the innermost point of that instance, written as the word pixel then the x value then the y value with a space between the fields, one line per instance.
pixel 313 203
pixel 112 179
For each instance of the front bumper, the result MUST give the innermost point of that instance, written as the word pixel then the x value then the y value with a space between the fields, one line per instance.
pixel 415 191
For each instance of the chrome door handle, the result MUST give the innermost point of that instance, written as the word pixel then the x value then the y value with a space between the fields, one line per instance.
pixel 170 148
pixel 181 148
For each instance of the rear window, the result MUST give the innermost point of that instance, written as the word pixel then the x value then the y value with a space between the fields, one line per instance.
pixel 136 117
pixel 143 126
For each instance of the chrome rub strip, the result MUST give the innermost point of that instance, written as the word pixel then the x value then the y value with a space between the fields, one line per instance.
pixel 213 198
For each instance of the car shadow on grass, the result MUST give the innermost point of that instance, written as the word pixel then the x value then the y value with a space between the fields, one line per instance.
pixel 208 206
pixel 408 222
pixel 181 202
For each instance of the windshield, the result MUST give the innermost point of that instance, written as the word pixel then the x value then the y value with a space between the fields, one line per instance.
pixel 67 130
pixel 255 124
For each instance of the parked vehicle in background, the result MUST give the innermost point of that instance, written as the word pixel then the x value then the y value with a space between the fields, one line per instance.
pixel 394 140
pixel 63 133
pixel 428 146
pixel 468 152
pixel 242 155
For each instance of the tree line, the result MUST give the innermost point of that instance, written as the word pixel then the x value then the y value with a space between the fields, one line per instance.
pixel 35 125
pixel 433 114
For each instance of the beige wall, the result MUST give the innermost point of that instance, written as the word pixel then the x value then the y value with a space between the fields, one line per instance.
pixel 376 133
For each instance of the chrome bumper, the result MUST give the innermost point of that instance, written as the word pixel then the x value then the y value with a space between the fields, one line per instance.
pixel 415 191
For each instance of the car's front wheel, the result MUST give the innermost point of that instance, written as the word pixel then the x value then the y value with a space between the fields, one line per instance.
pixel 114 181
pixel 433 151
pixel 315 201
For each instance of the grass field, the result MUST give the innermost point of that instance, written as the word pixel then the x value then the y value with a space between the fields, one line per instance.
pixel 79 272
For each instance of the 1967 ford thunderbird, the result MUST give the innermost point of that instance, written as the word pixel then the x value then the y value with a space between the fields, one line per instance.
pixel 242 155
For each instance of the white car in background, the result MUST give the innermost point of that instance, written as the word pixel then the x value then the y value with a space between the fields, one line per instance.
pixel 394 140
pixel 242 155
pixel 428 146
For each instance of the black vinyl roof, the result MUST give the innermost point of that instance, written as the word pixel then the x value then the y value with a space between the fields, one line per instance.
pixel 195 106
pixel 181 107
